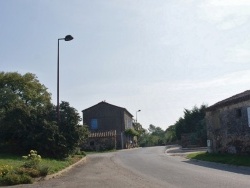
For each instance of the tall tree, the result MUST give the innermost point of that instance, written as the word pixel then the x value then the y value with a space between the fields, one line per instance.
pixel 26 91
pixel 28 118
pixel 69 127
pixel 22 100
pixel 193 122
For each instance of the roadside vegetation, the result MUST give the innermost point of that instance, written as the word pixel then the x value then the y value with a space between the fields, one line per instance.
pixel 191 124
pixel 28 124
pixel 28 119
pixel 23 170
pixel 238 160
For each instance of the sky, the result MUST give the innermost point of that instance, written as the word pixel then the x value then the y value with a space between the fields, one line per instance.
pixel 157 56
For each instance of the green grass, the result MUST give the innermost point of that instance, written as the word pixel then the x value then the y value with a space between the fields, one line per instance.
pixel 6 159
pixel 238 160
pixel 53 164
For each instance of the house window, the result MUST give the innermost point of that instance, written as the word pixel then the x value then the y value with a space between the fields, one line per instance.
pixel 238 113
pixel 94 124
pixel 248 116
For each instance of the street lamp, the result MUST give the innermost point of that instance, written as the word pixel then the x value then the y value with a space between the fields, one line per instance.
pixel 67 38
pixel 136 115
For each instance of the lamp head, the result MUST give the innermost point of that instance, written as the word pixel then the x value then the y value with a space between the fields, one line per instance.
pixel 68 38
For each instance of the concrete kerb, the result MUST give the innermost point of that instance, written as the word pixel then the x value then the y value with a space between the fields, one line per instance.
pixel 129 149
pixel 57 174
pixel 177 150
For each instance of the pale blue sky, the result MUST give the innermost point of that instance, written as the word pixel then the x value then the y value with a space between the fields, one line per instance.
pixel 159 56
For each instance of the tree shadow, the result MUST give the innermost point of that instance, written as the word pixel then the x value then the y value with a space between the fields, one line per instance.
pixel 219 166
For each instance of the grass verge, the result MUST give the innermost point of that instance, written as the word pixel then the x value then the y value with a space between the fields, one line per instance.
pixel 238 160
pixel 53 164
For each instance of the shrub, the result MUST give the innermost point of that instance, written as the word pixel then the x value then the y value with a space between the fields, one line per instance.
pixel 14 179
pixel 28 171
pixel 5 169
pixel 44 170
pixel 78 151
pixel 32 159
pixel 25 179
pixel 131 132
pixel 32 165
pixel 24 174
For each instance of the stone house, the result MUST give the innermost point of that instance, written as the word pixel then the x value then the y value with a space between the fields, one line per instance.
pixel 228 125
pixel 104 117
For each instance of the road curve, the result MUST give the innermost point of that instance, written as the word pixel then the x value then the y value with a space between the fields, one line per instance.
pixel 148 167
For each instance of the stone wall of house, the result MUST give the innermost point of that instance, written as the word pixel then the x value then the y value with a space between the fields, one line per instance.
pixel 228 129
pixel 101 141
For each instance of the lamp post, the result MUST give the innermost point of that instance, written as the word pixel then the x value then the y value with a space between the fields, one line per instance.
pixel 136 115
pixel 67 38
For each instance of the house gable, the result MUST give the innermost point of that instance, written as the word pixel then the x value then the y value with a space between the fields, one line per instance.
pixel 104 117
pixel 228 124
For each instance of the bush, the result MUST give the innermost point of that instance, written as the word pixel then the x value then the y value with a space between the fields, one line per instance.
pixel 32 165
pixel 5 169
pixel 28 171
pixel 14 179
pixel 32 159
pixel 44 170
pixel 131 132
pixel 24 174
pixel 78 151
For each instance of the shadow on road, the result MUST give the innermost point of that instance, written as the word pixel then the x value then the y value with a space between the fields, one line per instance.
pixel 222 167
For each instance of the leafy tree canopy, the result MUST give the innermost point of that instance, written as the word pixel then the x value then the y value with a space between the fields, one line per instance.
pixel 23 91
pixel 28 118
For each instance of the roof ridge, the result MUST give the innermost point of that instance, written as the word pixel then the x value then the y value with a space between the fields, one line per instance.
pixel 230 100
pixel 110 105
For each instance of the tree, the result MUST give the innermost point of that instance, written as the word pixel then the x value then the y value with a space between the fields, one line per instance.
pixel 28 118
pixel 22 100
pixel 69 127
pixel 151 128
pixel 58 141
pixel 18 90
pixel 193 122
pixel 170 134
pixel 154 137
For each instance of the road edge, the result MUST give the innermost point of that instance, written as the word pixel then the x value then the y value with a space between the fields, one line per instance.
pixel 57 174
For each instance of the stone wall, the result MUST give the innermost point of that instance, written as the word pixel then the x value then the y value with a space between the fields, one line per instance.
pixel 100 141
pixel 228 129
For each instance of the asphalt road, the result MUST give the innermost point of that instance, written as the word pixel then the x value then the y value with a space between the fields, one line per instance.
pixel 148 167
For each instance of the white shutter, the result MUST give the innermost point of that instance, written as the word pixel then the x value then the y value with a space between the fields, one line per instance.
pixel 248 116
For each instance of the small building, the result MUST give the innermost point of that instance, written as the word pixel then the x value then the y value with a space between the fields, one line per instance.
pixel 104 117
pixel 228 125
